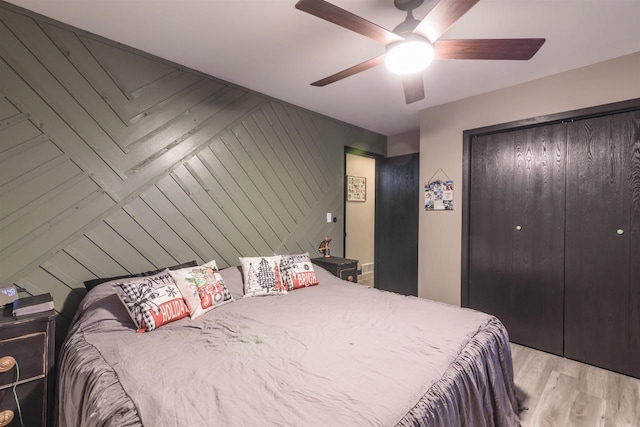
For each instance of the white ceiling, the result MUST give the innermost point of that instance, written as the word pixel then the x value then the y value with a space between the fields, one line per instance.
pixel 272 48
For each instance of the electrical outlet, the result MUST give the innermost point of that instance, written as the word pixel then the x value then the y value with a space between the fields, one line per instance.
pixel 329 216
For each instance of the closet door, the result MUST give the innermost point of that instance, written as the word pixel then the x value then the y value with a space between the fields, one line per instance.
pixel 634 244
pixel 517 232
pixel 538 239
pixel 491 226
pixel 603 175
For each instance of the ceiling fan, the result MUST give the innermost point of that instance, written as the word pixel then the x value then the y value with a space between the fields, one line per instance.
pixel 413 44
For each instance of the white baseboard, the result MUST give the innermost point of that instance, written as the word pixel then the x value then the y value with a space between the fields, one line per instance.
pixel 367 268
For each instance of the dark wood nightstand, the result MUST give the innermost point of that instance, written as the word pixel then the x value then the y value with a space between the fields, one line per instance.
pixel 344 268
pixel 30 342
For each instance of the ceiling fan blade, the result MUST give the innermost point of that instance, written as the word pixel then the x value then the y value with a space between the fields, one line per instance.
pixel 350 71
pixel 413 87
pixel 442 16
pixel 329 12
pixel 510 49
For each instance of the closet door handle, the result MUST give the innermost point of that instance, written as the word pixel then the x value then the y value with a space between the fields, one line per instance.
pixel 518 227
pixel 620 231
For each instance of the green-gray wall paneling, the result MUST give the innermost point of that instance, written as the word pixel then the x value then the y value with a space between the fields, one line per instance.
pixel 113 161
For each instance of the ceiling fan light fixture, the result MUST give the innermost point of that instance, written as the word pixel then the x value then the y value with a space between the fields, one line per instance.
pixel 409 56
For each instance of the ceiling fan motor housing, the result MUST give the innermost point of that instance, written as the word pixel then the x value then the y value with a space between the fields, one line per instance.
pixel 410 23
pixel 407 26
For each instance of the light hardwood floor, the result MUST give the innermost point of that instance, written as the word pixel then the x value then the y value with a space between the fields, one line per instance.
pixel 366 279
pixel 561 392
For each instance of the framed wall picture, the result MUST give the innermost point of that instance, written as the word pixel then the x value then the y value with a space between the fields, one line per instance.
pixel 356 188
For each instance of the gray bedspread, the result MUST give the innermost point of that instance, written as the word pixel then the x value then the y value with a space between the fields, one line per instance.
pixel 336 354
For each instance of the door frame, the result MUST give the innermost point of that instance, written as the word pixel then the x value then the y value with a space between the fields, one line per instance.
pixel 467 139
pixel 377 158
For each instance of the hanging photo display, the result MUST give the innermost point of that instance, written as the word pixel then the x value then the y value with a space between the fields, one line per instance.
pixel 438 196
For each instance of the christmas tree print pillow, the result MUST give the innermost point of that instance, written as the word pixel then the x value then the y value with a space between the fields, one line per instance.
pixel 202 288
pixel 262 276
pixel 152 301
pixel 297 271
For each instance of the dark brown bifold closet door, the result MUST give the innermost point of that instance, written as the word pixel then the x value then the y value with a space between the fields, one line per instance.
pixel 634 245
pixel 516 232
pixel 602 242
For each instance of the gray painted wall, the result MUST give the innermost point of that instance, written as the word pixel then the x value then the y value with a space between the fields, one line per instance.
pixel 113 161
pixel 441 129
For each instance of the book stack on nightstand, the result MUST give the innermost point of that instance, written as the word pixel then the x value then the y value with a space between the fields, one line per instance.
pixel 26 306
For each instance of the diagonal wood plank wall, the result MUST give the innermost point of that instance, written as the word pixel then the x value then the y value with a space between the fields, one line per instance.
pixel 113 161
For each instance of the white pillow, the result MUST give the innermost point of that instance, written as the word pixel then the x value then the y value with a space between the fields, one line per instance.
pixel 202 288
pixel 151 301
pixel 262 276
pixel 297 271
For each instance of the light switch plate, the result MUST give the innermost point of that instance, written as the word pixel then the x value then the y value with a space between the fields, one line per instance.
pixel 329 216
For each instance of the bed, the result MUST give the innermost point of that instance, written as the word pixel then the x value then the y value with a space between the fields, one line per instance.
pixel 336 354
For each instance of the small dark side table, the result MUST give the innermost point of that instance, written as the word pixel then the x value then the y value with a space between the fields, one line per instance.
pixel 344 268
pixel 28 343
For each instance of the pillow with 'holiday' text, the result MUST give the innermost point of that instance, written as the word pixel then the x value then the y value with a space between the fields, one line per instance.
pixel 151 301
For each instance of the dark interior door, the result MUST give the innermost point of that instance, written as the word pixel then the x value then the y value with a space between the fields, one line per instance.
pixel 634 244
pixel 598 240
pixel 491 226
pixel 397 208
pixel 516 259
pixel 538 237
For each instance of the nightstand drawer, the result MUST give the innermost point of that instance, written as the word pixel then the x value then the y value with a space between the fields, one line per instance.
pixel 30 341
pixel 349 274
pixel 29 352
pixel 31 396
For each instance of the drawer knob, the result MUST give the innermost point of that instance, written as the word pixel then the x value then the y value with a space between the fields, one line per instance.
pixel 6 417
pixel 350 278
pixel 7 363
